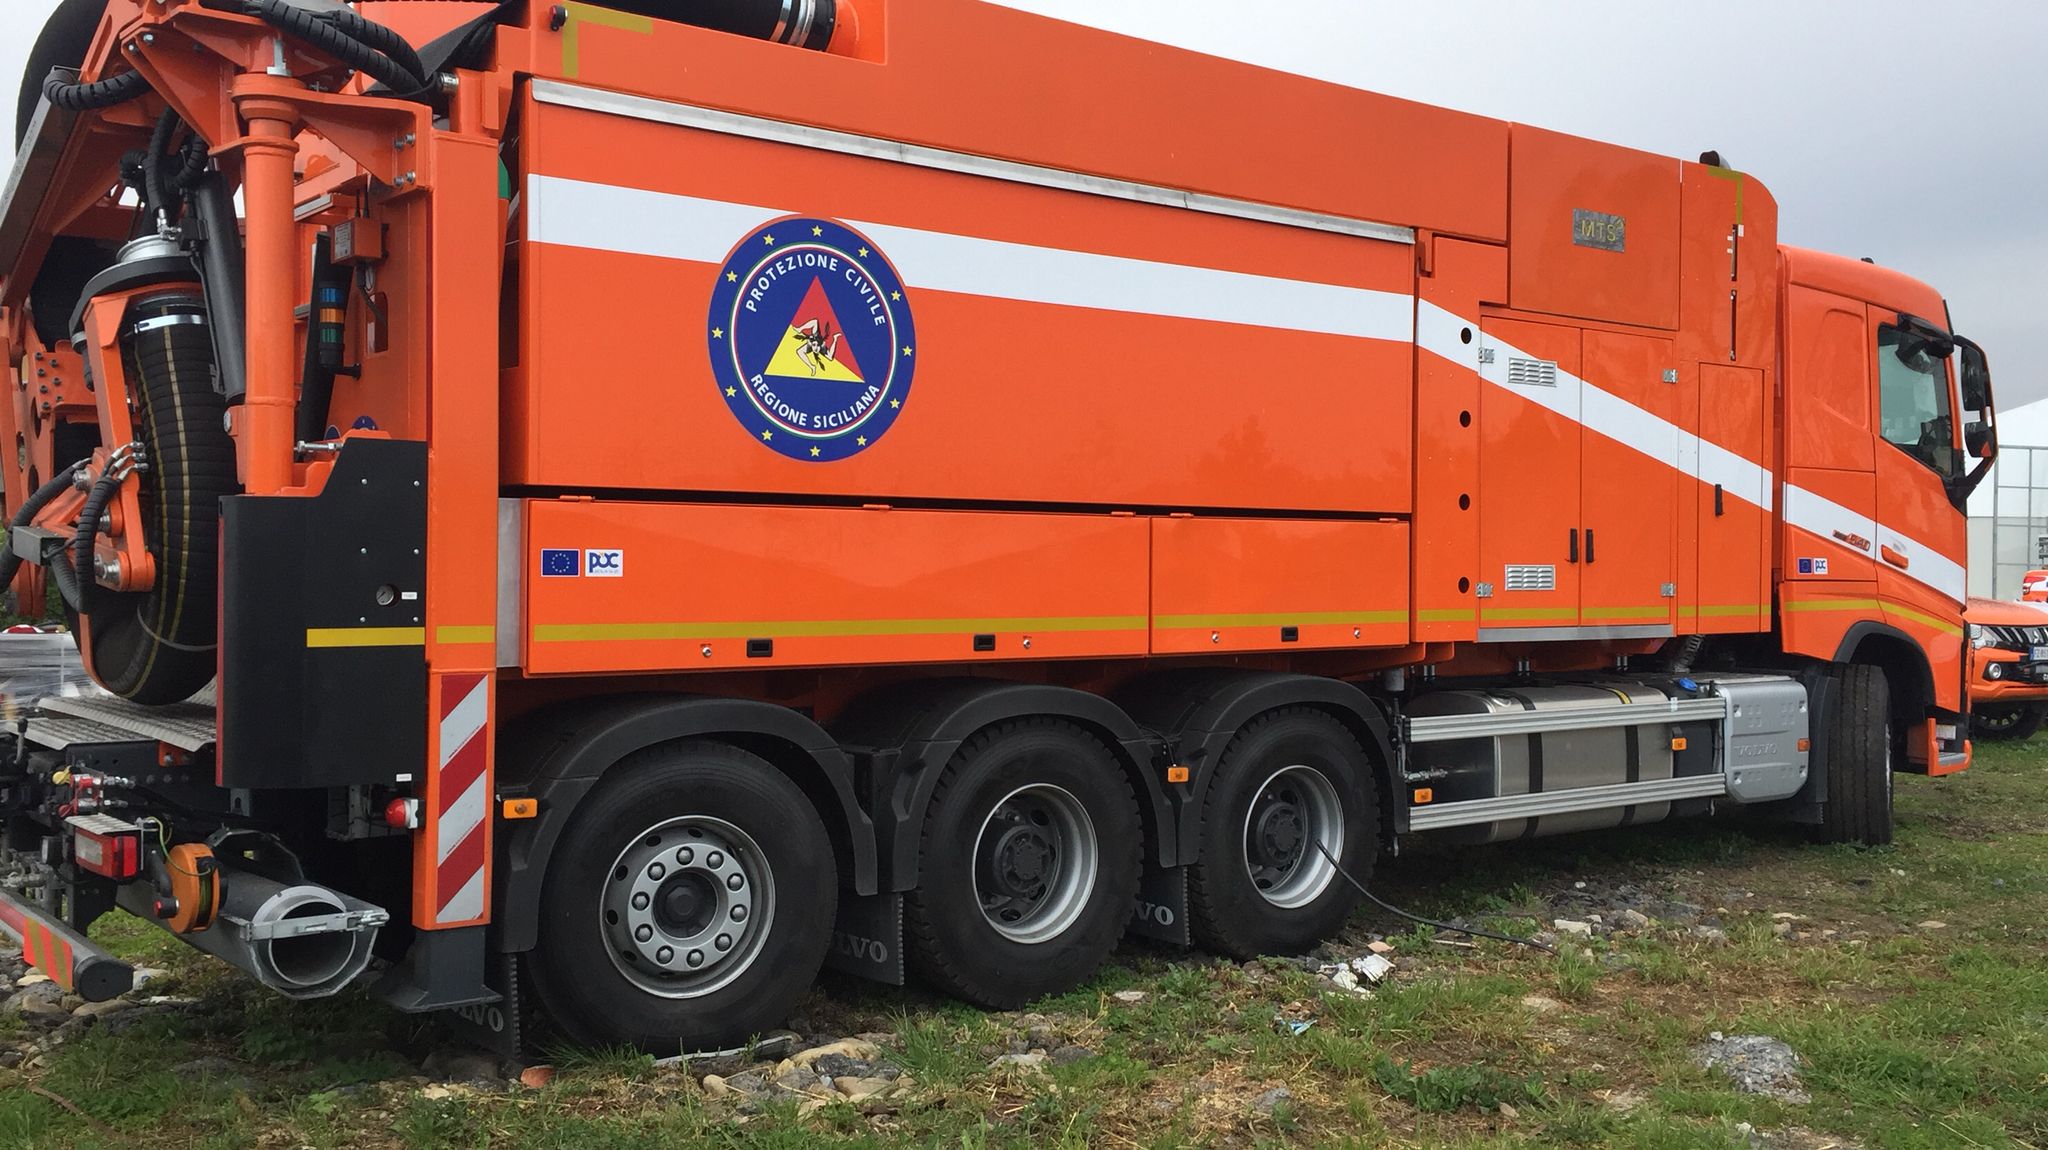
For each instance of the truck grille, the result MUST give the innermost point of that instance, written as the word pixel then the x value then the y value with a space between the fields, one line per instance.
pixel 2015 638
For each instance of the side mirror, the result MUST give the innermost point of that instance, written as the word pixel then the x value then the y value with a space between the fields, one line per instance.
pixel 1976 376
pixel 1981 439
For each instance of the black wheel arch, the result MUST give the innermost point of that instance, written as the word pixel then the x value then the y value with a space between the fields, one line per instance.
pixel 905 735
pixel 1904 663
pixel 1204 709
pixel 558 754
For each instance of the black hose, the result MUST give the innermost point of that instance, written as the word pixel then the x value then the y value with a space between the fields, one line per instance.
pixel 89 517
pixel 383 40
pixel 97 94
pixel 156 199
pixel 221 270
pixel 1390 908
pixel 10 563
pixel 324 34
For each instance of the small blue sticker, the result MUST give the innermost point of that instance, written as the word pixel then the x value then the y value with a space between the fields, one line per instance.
pixel 560 562
pixel 1806 566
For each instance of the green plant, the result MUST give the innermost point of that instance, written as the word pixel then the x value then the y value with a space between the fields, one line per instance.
pixel 1441 1089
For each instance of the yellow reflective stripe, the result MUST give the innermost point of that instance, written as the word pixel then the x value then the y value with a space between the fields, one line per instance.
pixel 1567 614
pixel 1446 615
pixel 1280 619
pixel 1945 626
pixel 1722 611
pixel 1624 612
pixel 822 629
pixel 331 637
pixel 451 635
pixel 581 14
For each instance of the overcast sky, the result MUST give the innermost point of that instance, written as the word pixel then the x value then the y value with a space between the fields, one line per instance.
pixel 1912 133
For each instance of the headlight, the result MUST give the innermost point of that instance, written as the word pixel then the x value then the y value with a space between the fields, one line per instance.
pixel 1977 636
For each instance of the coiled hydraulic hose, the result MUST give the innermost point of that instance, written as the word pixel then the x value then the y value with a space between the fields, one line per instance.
pixel 157 646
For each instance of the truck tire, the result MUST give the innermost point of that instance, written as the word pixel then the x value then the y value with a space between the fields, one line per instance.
pixel 1859 760
pixel 1289 780
pixel 688 905
pixel 2014 722
pixel 1031 856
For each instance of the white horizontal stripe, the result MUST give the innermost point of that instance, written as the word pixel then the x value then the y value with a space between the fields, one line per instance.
pixel 465 721
pixel 467 903
pixel 634 221
pixel 464 816
pixel 1924 564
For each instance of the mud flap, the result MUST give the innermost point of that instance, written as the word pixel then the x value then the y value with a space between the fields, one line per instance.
pixel 867 939
pixel 499 1027
pixel 1161 912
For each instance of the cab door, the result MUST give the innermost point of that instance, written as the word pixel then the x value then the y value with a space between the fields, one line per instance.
pixel 1921 537
pixel 1530 539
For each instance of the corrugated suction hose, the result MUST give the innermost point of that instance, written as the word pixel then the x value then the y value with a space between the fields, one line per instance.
pixel 158 646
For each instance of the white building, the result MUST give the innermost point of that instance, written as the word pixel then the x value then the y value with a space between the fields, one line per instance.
pixel 2009 513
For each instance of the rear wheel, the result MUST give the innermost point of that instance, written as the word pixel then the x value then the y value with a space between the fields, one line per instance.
pixel 1859 759
pixel 2012 721
pixel 1291 785
pixel 1030 863
pixel 688 905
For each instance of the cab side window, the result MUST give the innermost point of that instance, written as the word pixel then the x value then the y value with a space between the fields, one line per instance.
pixel 1913 399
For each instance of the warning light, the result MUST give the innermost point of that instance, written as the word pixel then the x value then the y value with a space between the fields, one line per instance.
pixel 1424 795
pixel 402 814
pixel 521 808
pixel 1678 742
pixel 1176 774
pixel 1806 744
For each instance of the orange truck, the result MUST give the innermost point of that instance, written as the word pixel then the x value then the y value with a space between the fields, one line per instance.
pixel 603 508
pixel 2008 667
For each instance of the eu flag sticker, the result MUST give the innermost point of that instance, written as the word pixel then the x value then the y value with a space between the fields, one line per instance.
pixel 563 561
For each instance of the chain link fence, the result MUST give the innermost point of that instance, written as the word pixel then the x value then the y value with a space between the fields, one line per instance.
pixel 2013 538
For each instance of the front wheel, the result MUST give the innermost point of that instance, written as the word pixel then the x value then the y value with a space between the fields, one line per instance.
pixel 688 905
pixel 1859 759
pixel 2016 722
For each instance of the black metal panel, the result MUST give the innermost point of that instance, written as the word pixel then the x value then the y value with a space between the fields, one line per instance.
pixel 295 714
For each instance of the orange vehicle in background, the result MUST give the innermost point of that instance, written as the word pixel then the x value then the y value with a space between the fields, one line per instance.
pixel 2034 587
pixel 2008 668
pixel 923 488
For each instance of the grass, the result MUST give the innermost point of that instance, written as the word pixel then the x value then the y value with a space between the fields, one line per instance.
pixel 1914 1034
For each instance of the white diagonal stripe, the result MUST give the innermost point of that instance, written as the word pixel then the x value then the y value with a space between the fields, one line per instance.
pixel 1439 332
pixel 464 816
pixel 465 721
pixel 635 221
pixel 467 903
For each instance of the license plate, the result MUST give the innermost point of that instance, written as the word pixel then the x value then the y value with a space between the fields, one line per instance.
pixel 2038 654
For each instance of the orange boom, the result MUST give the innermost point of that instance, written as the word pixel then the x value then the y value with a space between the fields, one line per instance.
pixel 923 488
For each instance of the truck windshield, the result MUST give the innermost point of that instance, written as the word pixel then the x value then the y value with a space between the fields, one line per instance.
pixel 1913 394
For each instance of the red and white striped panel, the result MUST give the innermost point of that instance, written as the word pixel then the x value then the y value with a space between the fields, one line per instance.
pixel 462 799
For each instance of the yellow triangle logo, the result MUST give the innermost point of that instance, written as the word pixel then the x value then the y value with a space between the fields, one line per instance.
pixel 814 346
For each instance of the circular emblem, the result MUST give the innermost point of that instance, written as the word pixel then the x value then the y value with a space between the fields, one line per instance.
pixel 812 345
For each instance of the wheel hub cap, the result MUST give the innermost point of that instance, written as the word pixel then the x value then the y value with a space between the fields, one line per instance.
pixel 687 906
pixel 1296 808
pixel 1034 863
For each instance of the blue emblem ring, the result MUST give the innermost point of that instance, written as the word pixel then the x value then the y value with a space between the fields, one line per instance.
pixel 811 340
